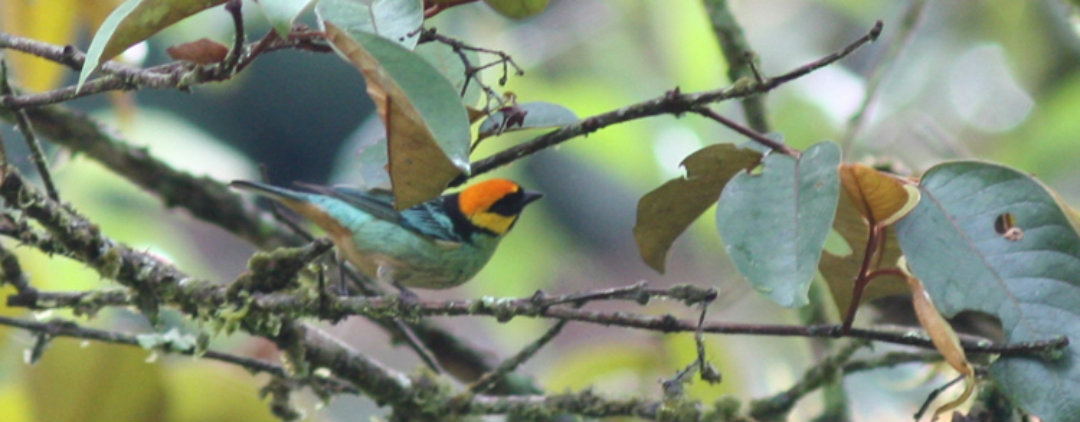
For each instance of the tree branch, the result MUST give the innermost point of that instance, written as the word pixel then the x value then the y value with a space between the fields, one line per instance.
pixel 740 59
pixel 672 102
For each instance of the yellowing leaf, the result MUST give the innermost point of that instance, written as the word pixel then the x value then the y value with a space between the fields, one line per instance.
pixel 51 21
pixel 427 128
pixel 880 198
pixel 945 341
pixel 840 271
pixel 665 212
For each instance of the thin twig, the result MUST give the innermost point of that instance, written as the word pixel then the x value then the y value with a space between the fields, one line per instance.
pixel 37 155
pixel 488 380
pixel 749 133
pixel 669 103
pixel 231 60
pixel 60 328
pixel 777 407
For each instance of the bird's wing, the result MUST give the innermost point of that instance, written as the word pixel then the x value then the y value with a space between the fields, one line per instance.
pixel 427 219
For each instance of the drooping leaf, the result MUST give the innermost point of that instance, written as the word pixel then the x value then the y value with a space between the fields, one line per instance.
pixel 282 13
pixel 880 198
pixel 944 339
pixel 517 9
pixel 1032 284
pixel 134 21
pixel 202 51
pixel 397 20
pixel 427 127
pixel 668 210
pixel 774 224
pixel 449 63
pixel 523 116
pixel 841 270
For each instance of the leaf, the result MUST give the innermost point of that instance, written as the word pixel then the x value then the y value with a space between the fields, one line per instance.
pixel 426 125
pixel 397 20
pixel 945 341
pixel 870 197
pixel 373 162
pixel 282 13
pixel 134 21
pixel 668 210
pixel 517 9
pixel 523 116
pixel 840 271
pixel 774 224
pixel 1031 285
pixel 880 198
pixel 203 51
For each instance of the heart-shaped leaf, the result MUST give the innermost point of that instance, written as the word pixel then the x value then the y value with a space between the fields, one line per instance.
pixel 282 13
pixel 396 20
pixel 427 128
pixel 1031 282
pixel 534 115
pixel 134 21
pixel 664 213
pixel 774 224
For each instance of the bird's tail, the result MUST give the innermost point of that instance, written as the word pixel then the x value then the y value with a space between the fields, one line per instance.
pixel 273 192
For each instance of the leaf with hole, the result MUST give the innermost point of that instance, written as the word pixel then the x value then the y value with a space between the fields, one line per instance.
pixel 427 128
pixel 395 20
pixel 774 224
pixel 664 213
pixel 134 21
pixel 534 115
pixel 1032 285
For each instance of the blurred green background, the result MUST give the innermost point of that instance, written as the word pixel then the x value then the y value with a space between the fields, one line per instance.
pixel 995 80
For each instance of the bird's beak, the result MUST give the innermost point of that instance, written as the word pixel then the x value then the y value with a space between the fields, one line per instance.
pixel 531 196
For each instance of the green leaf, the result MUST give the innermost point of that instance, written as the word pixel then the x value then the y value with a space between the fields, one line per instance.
pixel 427 128
pixel 449 63
pixel 774 224
pixel 397 20
pixel 282 13
pixel 373 162
pixel 668 210
pixel 1030 282
pixel 523 116
pixel 134 21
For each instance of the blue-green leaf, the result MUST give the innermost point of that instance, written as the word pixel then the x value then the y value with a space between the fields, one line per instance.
pixel 523 116
pixel 282 13
pixel 774 224
pixel 397 20
pixel 1028 277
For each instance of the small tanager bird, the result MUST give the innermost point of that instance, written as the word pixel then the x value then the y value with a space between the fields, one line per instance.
pixel 438 244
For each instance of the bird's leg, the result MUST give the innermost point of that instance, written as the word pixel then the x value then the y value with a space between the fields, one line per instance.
pixel 385 274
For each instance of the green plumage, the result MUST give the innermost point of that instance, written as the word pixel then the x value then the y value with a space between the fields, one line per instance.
pixel 425 246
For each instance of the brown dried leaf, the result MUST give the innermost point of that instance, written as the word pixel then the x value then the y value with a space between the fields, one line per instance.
pixel 203 51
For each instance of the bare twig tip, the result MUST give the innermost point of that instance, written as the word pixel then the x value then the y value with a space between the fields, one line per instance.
pixel 876 30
